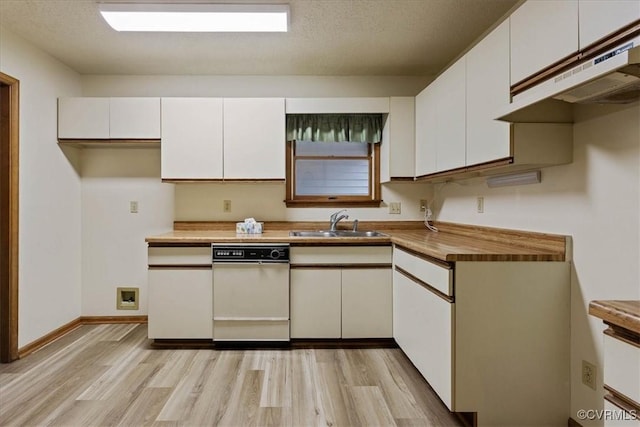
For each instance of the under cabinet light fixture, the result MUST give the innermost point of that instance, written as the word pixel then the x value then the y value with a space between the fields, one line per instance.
pixel 522 178
pixel 196 17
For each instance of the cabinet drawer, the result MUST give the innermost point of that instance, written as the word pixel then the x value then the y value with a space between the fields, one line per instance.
pixel 186 256
pixel 340 255
pixel 436 276
pixel 622 367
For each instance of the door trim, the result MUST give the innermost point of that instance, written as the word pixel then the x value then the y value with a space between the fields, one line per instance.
pixel 9 109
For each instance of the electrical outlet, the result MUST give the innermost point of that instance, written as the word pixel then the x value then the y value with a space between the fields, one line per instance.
pixel 394 207
pixel 480 204
pixel 226 206
pixel 133 206
pixel 423 205
pixel 589 374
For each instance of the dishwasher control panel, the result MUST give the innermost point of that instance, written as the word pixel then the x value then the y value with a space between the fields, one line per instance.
pixel 250 253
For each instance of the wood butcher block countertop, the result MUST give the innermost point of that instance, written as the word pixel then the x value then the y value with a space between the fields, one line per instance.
pixel 454 242
pixel 625 314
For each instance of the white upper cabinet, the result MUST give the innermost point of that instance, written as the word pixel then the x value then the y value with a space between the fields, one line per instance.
pixel 398 140
pixel 488 93
pixel 425 150
pixel 599 18
pixel 440 122
pixel 451 117
pixel 108 118
pixel 134 118
pixel 191 143
pixel 83 118
pixel 254 138
pixel 542 33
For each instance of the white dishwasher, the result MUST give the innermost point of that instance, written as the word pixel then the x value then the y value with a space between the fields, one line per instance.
pixel 250 292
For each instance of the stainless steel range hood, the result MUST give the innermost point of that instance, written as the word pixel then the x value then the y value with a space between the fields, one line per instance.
pixel 610 77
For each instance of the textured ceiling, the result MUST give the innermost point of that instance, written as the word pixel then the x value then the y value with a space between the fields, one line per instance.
pixel 326 37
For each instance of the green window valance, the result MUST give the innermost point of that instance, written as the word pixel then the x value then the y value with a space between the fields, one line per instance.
pixel 335 127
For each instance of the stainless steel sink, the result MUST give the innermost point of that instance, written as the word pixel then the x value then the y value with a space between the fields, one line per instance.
pixel 337 233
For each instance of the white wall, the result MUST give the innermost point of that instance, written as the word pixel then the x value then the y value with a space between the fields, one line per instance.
pixel 265 202
pixel 49 220
pixel 596 200
pixel 114 252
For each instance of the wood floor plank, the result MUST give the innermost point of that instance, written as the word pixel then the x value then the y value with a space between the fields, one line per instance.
pixel 308 408
pixel 276 390
pixel 108 375
pixel 172 369
pixel 338 402
pixel 144 410
pixel 273 417
pixel 120 368
pixel 186 392
pixel 436 412
pixel 393 387
pixel 217 389
pixel 370 406
pixel 245 410
pixel 79 413
pixel 355 368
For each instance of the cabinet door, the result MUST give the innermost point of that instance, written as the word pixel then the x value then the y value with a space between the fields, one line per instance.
pixel 401 138
pixel 315 303
pixel 622 367
pixel 367 303
pixel 191 144
pixel 422 327
pixel 180 303
pixel 254 138
pixel 425 150
pixel 599 18
pixel 487 93
pixel 542 33
pixel 451 117
pixel 83 118
pixel 134 118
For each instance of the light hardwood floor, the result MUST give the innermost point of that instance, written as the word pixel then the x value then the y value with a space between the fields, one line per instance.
pixel 102 375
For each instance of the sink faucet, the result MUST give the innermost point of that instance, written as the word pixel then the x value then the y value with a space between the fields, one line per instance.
pixel 335 218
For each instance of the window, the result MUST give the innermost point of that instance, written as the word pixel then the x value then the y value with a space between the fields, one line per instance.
pixel 333 159
pixel 333 174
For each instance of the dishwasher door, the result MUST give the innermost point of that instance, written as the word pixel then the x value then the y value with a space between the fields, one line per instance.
pixel 250 301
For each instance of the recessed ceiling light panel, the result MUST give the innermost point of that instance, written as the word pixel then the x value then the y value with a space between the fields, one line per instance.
pixel 196 17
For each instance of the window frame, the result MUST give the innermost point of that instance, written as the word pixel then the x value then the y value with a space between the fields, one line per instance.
pixel 372 199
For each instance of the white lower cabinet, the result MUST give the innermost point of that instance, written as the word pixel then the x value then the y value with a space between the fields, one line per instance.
pixel 316 303
pixel 332 297
pixel 621 378
pixel 423 329
pixel 366 303
pixel 491 338
pixel 180 289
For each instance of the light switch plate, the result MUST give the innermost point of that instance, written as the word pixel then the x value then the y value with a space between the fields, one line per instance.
pixel 394 207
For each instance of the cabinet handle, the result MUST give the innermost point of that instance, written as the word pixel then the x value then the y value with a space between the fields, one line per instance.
pixel 251 319
pixel 425 285
pixel 621 401
pixel 179 267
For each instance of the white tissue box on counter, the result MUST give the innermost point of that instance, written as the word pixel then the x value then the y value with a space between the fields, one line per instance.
pixel 249 227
